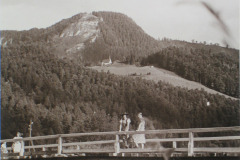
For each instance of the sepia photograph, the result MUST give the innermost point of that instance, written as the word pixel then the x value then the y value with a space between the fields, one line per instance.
pixel 120 79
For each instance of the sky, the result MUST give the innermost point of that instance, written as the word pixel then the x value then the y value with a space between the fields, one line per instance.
pixel 175 19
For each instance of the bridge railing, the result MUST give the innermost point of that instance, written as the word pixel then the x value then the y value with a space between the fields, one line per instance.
pixel 71 143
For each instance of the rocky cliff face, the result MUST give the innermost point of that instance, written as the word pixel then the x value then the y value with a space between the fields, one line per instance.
pixel 86 27
pixel 75 36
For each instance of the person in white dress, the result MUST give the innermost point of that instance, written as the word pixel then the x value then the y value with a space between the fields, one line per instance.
pixel 17 145
pixel 140 138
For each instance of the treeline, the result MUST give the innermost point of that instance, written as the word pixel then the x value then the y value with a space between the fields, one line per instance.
pixel 214 69
pixel 61 96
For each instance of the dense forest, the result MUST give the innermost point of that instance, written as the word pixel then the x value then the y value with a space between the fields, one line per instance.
pixel 62 96
pixel 214 69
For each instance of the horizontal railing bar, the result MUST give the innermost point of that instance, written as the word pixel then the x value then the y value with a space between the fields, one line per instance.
pixel 89 151
pixel 217 138
pixel 168 140
pixel 74 144
pixel 39 153
pixel 209 150
pixel 147 150
pixel 165 131
pixel 30 138
pixel 41 146
pixel 88 143
pixel 181 150
pixel 216 129
pixel 218 150
pixel 89 134
pixel 195 139
pixel 151 150
pixel 138 150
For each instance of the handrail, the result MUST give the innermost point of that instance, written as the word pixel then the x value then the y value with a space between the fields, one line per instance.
pixel 31 138
pixel 163 131
pixel 190 139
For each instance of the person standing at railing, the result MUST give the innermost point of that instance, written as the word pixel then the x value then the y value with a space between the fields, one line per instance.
pixel 124 126
pixel 18 146
pixel 140 138
pixel 4 148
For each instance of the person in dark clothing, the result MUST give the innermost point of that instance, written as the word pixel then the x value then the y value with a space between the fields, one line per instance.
pixel 124 126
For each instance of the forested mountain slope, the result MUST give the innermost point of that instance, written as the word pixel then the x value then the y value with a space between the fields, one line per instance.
pixel 62 96
pixel 216 69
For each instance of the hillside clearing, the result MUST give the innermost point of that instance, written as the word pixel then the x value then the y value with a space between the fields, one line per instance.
pixel 155 74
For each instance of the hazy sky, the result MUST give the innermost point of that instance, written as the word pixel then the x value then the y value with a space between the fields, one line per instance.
pixel 175 19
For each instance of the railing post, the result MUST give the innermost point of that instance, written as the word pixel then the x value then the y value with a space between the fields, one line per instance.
pixel 116 146
pixel 59 145
pixel 190 144
pixel 174 144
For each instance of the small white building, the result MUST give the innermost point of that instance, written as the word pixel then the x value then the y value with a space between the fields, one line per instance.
pixel 107 62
